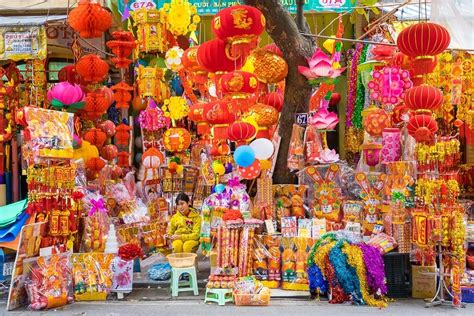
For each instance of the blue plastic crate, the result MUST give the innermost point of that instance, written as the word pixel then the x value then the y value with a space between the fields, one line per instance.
pixel 467 294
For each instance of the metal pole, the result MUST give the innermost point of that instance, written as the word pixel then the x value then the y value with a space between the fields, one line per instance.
pixel 300 14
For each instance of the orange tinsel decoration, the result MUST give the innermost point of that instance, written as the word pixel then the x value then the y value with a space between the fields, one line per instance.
pixel 92 68
pixel 90 19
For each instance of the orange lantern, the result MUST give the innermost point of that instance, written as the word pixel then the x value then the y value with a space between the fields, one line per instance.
pixel 122 46
pixel 376 120
pixel 269 67
pixel 240 132
pixel 219 114
pixel 95 137
pixel 122 134
pixel 239 84
pixel 215 56
pixel 95 164
pixel 239 25
pixel 176 139
pixel 152 158
pixel 123 159
pixel 92 68
pixel 196 114
pixel 122 95
pixel 274 99
pixel 265 116
pixel 152 33
pixel 97 104
pixel 109 152
pixel 90 19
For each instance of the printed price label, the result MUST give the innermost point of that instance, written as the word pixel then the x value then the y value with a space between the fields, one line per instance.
pixel 143 4
pixel 8 268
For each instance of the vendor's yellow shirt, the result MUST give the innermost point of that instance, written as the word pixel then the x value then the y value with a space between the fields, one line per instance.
pixel 189 227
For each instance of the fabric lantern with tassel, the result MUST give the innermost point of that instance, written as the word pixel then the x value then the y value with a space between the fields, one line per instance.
pixel 215 56
pixel 423 98
pixel 90 19
pixel 265 116
pixel 269 67
pixel 240 26
pixel 239 87
pixel 196 114
pixel 123 159
pixel 422 127
pixel 92 68
pixel 95 137
pixel 241 132
pixel 176 139
pixel 122 95
pixel 218 114
pixel 122 134
pixel 423 40
pixel 122 46
pixel 197 73
pixel 274 99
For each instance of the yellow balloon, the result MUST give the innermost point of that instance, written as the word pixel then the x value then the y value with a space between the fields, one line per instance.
pixel 265 164
pixel 329 44
pixel 86 152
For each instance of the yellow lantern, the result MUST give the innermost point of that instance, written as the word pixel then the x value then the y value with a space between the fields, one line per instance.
pixel 151 83
pixel 152 30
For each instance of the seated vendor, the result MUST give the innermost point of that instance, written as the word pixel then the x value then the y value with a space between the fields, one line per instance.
pixel 185 226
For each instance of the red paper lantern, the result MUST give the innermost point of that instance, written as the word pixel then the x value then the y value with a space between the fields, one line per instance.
pixel 215 56
pixel 176 139
pixel 423 40
pixel 240 131
pixel 123 159
pixel 423 98
pixel 417 67
pixel 196 114
pixel 122 46
pixel 95 164
pixel 109 152
pixel 68 73
pixel 92 68
pixel 274 99
pixel 90 19
pixel 238 84
pixel 422 127
pixel 122 134
pixel 97 104
pixel 219 114
pixel 95 137
pixel 240 26
pixel 274 49
pixel 122 95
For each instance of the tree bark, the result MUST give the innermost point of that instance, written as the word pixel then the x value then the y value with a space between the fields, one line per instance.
pixel 284 31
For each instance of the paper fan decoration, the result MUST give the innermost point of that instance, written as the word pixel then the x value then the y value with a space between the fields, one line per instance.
pixel 388 85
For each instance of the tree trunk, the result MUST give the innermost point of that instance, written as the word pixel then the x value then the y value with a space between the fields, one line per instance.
pixel 284 31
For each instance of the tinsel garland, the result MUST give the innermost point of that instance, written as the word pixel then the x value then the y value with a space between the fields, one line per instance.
pixel 316 280
pixel 346 274
pixel 337 293
pixel 360 93
pixel 356 261
pixel 375 268
pixel 352 80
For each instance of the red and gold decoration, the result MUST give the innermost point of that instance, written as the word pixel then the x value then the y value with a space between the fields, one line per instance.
pixel 122 95
pixel 241 132
pixel 176 139
pixel 90 19
pixel 219 116
pixel 92 68
pixel 122 46
pixel 265 116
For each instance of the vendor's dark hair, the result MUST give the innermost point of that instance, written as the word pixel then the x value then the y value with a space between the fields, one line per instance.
pixel 182 197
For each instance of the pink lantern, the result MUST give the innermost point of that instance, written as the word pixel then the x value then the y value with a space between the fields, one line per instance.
pixel 388 85
pixel 391 145
pixel 152 118
pixel 372 154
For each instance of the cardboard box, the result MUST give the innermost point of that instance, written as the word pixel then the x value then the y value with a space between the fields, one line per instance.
pixel 423 281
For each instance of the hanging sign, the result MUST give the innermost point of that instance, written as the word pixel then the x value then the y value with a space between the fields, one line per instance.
pixel 301 119
pixel 213 6
pixel 22 42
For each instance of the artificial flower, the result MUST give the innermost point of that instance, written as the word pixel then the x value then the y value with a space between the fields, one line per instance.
pixel 175 108
pixel 328 156
pixel 324 120
pixel 320 66
pixel 173 58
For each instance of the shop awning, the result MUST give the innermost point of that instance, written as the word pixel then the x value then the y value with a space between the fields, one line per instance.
pixel 29 20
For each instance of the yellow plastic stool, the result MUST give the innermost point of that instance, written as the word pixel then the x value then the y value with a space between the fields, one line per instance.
pixel 183 286
pixel 219 296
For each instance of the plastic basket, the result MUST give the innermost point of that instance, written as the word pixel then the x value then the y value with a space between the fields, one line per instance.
pixel 397 273
pixel 182 260
pixel 252 299
pixel 467 294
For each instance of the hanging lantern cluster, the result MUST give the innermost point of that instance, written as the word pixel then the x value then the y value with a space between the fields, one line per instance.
pixel 219 115
pixel 90 19
pixel 122 95
pixel 196 114
pixel 97 104
pixel 92 69
pixel 122 46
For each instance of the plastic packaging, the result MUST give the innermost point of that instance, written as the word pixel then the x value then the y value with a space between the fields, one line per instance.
pixel 249 291
pixel 49 283
pixel 160 272
pixel 92 276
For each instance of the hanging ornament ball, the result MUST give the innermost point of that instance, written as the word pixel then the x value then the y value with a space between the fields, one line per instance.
pixel 263 148
pixel 219 188
pixel 244 156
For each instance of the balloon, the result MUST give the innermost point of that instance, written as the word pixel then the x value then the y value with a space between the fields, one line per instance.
pixel 250 172
pixel 219 169
pixel 228 167
pixel 138 158
pixel 138 142
pixel 180 169
pixel 265 164
pixel 219 188
pixel 263 148
pixel 244 156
